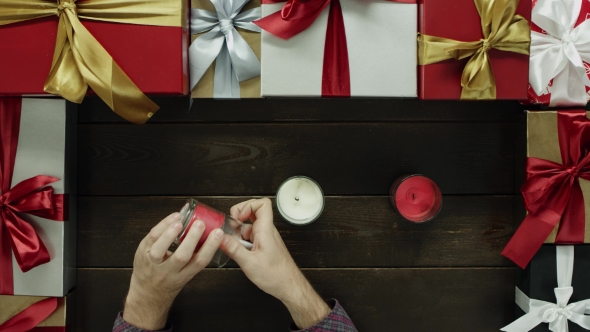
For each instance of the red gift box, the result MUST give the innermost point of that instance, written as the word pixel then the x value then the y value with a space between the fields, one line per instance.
pixel 460 20
pixel 153 57
pixel 545 99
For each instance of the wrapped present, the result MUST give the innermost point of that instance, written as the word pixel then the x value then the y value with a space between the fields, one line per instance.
pixel 557 188
pixel 37 314
pixel 553 293
pixel 225 52
pixel 339 48
pixel 559 53
pixel 474 49
pixel 120 49
pixel 37 196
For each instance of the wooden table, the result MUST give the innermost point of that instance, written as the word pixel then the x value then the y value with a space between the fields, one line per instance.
pixel 390 275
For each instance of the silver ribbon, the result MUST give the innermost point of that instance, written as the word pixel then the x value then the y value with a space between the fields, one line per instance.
pixel 236 61
pixel 559 54
pixel 556 314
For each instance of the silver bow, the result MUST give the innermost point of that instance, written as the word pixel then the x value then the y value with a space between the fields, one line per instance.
pixel 236 61
pixel 556 314
pixel 559 54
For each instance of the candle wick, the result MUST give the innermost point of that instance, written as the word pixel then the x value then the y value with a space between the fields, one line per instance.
pixel 297 199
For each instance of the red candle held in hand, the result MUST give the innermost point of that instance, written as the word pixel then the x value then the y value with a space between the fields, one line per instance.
pixel 416 198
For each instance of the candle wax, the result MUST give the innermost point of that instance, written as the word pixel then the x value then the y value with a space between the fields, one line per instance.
pixel 213 219
pixel 300 200
pixel 415 197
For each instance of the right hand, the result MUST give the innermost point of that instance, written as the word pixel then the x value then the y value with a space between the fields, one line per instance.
pixel 270 266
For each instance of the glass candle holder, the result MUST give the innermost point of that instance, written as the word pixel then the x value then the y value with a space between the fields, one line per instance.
pixel 416 198
pixel 300 200
pixel 194 210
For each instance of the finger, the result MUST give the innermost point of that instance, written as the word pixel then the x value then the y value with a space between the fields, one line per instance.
pixel 186 249
pixel 160 248
pixel 157 231
pixel 247 232
pixel 236 251
pixel 203 257
pixel 261 209
pixel 236 209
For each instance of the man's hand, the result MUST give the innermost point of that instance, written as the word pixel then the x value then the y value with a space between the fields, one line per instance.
pixel 270 266
pixel 159 275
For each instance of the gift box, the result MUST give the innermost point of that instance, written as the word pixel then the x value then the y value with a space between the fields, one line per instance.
pixel 225 65
pixel 552 293
pixel 557 187
pixel 38 195
pixel 339 48
pixel 121 50
pixel 37 314
pixel 474 49
pixel 558 74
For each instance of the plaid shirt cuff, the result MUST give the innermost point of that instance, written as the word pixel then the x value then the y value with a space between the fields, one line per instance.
pixel 122 326
pixel 336 321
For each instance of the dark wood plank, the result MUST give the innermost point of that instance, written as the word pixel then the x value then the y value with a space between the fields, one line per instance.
pixel 254 159
pixel 376 299
pixel 352 231
pixel 175 109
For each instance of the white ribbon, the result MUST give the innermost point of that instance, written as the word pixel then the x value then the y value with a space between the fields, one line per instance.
pixel 556 314
pixel 236 61
pixel 560 53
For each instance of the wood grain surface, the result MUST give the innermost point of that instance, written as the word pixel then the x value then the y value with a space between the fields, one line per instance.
pixel 456 299
pixel 352 231
pixel 254 159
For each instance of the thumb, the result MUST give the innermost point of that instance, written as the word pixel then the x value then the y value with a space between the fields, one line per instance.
pixel 235 250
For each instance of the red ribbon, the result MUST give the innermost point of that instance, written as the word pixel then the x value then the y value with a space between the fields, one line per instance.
pixel 552 192
pixel 29 318
pixel 298 15
pixel 32 196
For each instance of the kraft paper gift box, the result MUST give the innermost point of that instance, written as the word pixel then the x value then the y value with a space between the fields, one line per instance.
pixel 240 75
pixel 37 314
pixel 147 41
pixel 557 187
pixel 38 195
pixel 369 50
pixel 454 29
pixel 557 76
pixel 554 287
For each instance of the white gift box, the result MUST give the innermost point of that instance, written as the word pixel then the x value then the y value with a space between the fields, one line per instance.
pixel 381 40
pixel 47 146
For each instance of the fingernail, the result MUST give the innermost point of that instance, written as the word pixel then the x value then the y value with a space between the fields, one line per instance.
pixel 176 216
pixel 218 233
pixel 176 226
pixel 200 224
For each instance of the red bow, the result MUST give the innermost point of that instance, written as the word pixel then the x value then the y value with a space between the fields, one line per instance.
pixel 298 15
pixel 29 318
pixel 552 192
pixel 32 196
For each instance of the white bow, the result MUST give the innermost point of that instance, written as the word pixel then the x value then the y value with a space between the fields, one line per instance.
pixel 556 314
pixel 560 53
pixel 236 62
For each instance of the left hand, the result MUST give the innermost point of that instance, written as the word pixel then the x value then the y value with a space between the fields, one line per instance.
pixel 159 275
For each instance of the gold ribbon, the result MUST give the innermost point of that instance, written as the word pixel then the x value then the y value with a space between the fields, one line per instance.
pixel 79 60
pixel 502 30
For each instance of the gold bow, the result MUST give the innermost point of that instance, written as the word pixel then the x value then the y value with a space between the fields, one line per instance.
pixel 79 60
pixel 502 30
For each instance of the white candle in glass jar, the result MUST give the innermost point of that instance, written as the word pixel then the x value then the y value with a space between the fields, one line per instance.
pixel 300 200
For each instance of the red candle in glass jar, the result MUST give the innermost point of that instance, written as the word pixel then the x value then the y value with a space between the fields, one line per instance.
pixel 416 197
pixel 212 218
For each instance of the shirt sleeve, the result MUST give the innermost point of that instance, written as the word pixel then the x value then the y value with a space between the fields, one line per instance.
pixel 122 326
pixel 336 321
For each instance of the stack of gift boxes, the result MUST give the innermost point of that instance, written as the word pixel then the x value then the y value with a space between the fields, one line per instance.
pixel 318 48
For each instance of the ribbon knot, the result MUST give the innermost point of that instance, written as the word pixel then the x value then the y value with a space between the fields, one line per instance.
pixel 63 5
pixel 566 37
pixel 226 26
pixel 485 45
pixel 574 171
pixel 551 315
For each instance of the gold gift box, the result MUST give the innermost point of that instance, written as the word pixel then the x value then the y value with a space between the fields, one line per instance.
pixel 249 88
pixel 63 316
pixel 543 143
